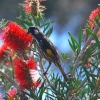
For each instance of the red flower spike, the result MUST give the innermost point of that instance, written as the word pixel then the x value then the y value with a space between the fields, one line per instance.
pixel 88 65
pixel 27 8
pixel 94 14
pixel 3 47
pixel 33 6
pixel 12 93
pixel 16 37
pixel 32 64
pixel 23 75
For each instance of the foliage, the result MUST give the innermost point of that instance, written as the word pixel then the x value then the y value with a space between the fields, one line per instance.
pixel 83 75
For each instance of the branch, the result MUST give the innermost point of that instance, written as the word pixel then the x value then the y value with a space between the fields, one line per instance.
pixel 80 86
pixel 9 79
pixel 83 49
pixel 12 81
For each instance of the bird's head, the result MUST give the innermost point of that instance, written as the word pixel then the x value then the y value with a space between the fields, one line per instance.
pixel 35 31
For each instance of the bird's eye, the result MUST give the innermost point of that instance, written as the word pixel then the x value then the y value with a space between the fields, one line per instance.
pixel 36 31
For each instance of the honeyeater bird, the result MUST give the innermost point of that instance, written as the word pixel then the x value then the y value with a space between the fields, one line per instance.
pixel 46 48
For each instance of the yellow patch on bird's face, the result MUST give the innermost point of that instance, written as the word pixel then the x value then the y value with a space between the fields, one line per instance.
pixel 49 52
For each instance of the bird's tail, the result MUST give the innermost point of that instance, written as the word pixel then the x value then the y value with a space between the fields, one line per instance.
pixel 62 71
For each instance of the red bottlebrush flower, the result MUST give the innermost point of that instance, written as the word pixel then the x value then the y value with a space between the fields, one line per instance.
pixel 32 64
pixel 88 61
pixel 94 14
pixel 25 73
pixel 88 65
pixel 12 92
pixel 27 8
pixel 3 47
pixel 93 17
pixel 34 6
pixel 16 37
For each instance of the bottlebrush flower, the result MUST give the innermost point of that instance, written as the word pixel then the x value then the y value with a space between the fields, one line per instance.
pixel 16 37
pixel 93 16
pixel 26 73
pixel 27 8
pixel 12 92
pixel 88 62
pixel 34 6
pixel 93 19
pixel 3 48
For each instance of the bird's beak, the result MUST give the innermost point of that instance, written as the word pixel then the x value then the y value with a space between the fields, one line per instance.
pixel 28 32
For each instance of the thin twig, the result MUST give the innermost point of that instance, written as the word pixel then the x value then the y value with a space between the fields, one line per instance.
pixel 80 86
pixel 12 81
pixel 9 79
pixel 83 49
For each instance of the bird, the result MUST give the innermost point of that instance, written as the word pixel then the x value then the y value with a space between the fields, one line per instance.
pixel 46 48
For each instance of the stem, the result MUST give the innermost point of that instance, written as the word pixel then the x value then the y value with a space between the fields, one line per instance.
pixel 83 49
pixel 9 79
pixel 12 81
pixel 80 86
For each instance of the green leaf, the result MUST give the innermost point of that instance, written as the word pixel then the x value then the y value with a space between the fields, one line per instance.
pixel 22 12
pixel 87 74
pixel 64 57
pixel 95 66
pixel 25 21
pixel 42 90
pixel 94 36
pixel 71 45
pixel 49 32
pixel 80 33
pixel 3 23
pixel 96 53
pixel 51 96
pixel 31 94
pixel 35 20
pixel 73 41
pixel 74 44
pixel 46 25
pixel 90 51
